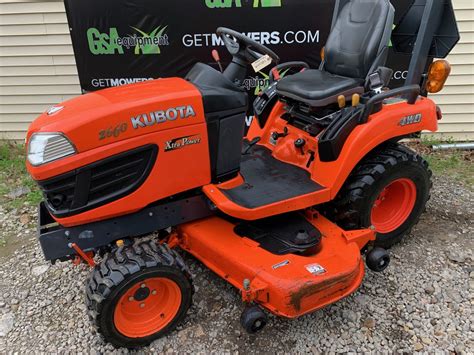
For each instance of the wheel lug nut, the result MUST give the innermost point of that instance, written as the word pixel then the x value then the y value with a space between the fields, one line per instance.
pixel 143 285
pixel 131 299
pixel 153 292
pixel 142 305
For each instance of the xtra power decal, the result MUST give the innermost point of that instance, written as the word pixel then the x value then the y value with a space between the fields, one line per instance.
pixel 181 142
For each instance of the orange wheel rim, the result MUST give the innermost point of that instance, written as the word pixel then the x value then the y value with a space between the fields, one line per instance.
pixel 147 307
pixel 394 205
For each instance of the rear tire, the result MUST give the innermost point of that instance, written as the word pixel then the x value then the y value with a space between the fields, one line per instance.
pixel 138 294
pixel 389 189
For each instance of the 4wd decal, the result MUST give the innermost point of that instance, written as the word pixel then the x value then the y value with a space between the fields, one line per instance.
pixel 182 142
pixel 412 119
pixel 171 114
pixel 112 43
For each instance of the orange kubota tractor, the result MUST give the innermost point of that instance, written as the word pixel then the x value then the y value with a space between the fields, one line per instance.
pixel 285 213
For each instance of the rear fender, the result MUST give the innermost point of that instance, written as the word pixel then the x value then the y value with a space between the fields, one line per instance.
pixel 394 120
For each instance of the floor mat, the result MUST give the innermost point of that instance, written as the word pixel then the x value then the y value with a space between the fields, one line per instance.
pixel 269 180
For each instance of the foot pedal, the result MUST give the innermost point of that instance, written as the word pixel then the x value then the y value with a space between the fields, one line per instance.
pixel 284 234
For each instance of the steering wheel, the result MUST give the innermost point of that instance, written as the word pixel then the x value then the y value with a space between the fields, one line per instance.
pixel 243 47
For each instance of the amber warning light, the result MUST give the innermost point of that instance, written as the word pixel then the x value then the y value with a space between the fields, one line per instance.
pixel 437 75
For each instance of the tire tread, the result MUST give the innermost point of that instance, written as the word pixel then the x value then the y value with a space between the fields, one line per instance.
pixel 122 263
pixel 344 208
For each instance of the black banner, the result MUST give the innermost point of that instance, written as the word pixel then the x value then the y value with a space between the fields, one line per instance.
pixel 118 42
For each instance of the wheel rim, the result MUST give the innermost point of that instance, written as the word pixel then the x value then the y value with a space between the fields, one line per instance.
pixel 394 205
pixel 147 307
pixel 259 324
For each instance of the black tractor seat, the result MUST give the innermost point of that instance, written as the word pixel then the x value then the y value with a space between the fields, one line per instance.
pixel 357 45
pixel 268 180
pixel 318 88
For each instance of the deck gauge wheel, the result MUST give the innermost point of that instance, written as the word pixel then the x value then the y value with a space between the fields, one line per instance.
pixel 253 319
pixel 377 259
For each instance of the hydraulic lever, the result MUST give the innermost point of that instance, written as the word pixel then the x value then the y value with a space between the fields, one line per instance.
pixel 250 145
pixel 276 135
pixel 299 144
pixel 217 58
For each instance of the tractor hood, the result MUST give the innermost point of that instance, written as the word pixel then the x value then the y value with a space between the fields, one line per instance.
pixel 107 116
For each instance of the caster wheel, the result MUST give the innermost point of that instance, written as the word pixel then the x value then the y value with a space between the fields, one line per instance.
pixel 253 319
pixel 377 259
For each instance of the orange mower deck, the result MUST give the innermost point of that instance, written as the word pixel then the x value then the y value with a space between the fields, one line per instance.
pixel 287 285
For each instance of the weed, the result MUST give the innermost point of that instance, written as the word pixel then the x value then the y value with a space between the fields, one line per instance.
pixel 13 175
pixel 455 164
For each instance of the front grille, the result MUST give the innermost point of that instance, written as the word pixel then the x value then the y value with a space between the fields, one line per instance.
pixel 98 183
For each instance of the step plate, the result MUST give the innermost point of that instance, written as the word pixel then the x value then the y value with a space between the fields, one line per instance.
pixel 269 180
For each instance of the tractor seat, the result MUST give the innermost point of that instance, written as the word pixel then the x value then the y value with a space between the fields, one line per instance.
pixel 356 47
pixel 318 88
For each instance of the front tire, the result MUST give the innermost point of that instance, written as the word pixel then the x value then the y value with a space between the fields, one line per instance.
pixel 138 294
pixel 389 189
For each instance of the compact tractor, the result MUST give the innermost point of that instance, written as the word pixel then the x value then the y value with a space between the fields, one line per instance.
pixel 289 213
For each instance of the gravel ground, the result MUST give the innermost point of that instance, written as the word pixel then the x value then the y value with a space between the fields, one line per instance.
pixel 422 302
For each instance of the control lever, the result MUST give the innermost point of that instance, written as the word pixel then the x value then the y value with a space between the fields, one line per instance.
pixel 311 158
pixel 276 74
pixel 300 143
pixel 217 58
pixel 341 101
pixel 355 100
pixel 250 145
pixel 276 135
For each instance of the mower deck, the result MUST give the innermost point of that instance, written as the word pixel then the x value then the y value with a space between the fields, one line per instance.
pixel 288 285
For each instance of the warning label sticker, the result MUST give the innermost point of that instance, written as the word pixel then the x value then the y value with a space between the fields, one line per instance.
pixel 315 269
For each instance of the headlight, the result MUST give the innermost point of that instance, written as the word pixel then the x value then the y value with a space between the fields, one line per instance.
pixel 46 147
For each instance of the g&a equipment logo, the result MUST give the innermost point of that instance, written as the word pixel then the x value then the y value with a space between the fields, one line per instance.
pixel 223 4
pixel 112 43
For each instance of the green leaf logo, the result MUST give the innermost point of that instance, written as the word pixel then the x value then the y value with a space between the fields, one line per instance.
pixel 267 3
pixel 259 88
pixel 149 43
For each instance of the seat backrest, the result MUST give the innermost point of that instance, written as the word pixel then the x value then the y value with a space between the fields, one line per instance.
pixel 358 42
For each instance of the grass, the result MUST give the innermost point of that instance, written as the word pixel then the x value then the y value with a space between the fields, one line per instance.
pixel 13 175
pixel 456 164
pixel 430 141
